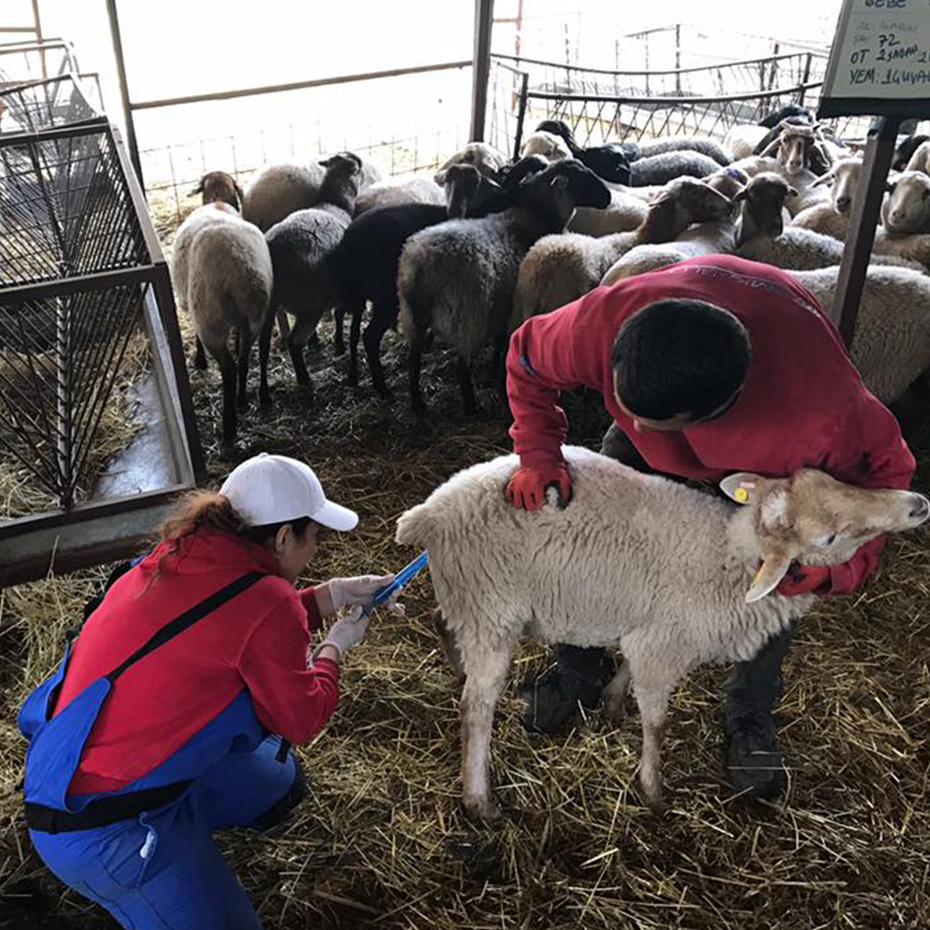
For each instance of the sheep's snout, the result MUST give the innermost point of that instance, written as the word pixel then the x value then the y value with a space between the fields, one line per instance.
pixel 919 509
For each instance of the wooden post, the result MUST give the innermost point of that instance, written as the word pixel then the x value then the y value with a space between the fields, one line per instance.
pixel 863 218
pixel 481 68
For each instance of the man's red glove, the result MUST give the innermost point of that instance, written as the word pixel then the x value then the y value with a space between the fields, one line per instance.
pixel 527 488
pixel 804 579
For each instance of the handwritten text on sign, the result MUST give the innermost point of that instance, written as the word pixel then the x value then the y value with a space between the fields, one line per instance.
pixel 882 49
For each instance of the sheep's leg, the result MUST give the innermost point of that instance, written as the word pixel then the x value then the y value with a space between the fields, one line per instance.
pixel 377 326
pixel 284 327
pixel 485 677
pixel 653 704
pixel 227 365
pixel 466 386
pixel 246 340
pixel 617 691
pixel 264 348
pixel 357 310
pixel 339 343
pixel 295 345
pixel 415 362
pixel 200 357
pixel 447 642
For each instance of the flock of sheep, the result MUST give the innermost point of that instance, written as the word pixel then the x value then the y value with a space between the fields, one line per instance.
pixel 486 243
pixel 471 253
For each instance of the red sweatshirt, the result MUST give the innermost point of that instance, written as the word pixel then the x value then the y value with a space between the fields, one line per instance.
pixel 259 640
pixel 803 403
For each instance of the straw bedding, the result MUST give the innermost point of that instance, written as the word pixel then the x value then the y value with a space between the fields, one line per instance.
pixel 382 841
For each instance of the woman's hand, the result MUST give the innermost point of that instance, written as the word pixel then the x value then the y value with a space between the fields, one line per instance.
pixel 348 592
pixel 346 632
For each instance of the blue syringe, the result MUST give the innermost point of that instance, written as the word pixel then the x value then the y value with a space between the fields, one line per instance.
pixel 382 595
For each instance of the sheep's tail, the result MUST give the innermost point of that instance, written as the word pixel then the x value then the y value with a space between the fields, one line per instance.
pixel 416 527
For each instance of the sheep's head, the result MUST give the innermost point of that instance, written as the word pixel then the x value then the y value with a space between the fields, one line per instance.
pixel 547 144
pixel 844 176
pixel 347 164
pixel 797 147
pixel 480 154
pixel 762 201
pixel 685 201
pixel 219 186
pixel 564 186
pixel 813 519
pixel 908 207
pixel 559 128
pixel 470 193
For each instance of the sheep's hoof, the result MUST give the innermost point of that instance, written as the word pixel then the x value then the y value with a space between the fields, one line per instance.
pixel 384 393
pixel 482 809
pixel 418 407
pixel 339 349
pixel 652 795
pixel 352 378
pixel 200 362
pixel 264 399
pixel 242 402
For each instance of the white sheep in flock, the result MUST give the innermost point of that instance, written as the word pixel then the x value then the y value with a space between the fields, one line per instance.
pixel 891 345
pixel 547 144
pixel 906 211
pixel 561 268
pixel 487 159
pixel 222 276
pixel 666 573
pixel 832 218
pixel 713 237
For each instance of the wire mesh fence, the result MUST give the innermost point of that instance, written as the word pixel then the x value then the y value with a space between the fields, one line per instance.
pixel 405 124
pixel 602 105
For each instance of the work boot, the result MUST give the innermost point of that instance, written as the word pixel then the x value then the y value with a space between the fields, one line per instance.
pixel 755 766
pixel 579 677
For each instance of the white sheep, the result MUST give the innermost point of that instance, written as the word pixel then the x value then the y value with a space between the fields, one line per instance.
pixel 667 573
pixel 832 218
pixel 392 193
pixel 222 276
pixel 742 139
pixel 280 190
pixel 703 144
pixel 561 268
pixel 487 159
pixel 907 208
pixel 762 237
pixel 547 144
pixel 891 345
pixel 713 237
pixel 625 212
pixel 920 159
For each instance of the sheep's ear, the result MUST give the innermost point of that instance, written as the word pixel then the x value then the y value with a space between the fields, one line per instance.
pixel 239 193
pixel 824 179
pixel 791 192
pixel 440 177
pixel 742 486
pixel 774 567
pixel 198 189
pixel 559 180
pixel 772 145
pixel 742 193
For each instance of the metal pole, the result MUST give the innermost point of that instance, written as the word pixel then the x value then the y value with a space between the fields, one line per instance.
pixel 807 74
pixel 37 19
pixel 481 68
pixel 131 140
pixel 678 59
pixel 521 114
pixel 863 218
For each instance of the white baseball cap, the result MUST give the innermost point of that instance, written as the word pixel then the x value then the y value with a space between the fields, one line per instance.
pixel 270 489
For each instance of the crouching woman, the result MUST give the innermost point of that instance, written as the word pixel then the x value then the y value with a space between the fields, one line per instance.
pixel 167 718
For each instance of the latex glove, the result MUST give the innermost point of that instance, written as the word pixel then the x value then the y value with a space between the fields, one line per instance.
pixel 346 592
pixel 527 488
pixel 347 631
pixel 804 579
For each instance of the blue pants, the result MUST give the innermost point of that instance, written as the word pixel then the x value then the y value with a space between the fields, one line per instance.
pixel 163 870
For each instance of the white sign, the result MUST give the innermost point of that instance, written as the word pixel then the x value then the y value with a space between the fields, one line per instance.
pixel 880 60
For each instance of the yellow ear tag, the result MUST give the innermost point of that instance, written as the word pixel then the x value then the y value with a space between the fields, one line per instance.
pixel 755 580
pixel 741 494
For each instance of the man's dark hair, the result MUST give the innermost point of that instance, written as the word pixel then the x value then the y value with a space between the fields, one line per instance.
pixel 680 356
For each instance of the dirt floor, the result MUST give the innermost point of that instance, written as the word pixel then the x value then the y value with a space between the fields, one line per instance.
pixel 383 840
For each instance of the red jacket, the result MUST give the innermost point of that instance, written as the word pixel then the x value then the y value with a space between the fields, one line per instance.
pixel 803 403
pixel 257 641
